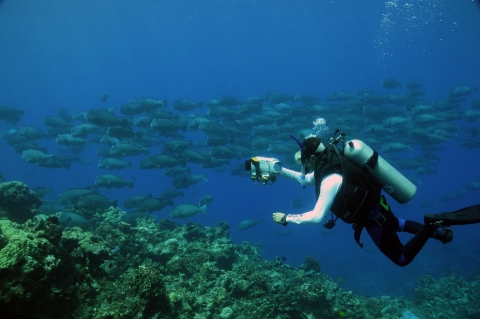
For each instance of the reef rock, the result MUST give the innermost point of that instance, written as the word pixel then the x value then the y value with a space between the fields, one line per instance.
pixel 456 296
pixel 165 270
pixel 38 278
pixel 17 202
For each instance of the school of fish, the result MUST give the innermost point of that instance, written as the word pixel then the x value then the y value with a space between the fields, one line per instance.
pixel 234 130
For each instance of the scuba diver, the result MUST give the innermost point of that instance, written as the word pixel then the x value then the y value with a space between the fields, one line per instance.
pixel 353 194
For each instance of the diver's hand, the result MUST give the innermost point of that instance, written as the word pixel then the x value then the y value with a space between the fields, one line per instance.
pixel 278 217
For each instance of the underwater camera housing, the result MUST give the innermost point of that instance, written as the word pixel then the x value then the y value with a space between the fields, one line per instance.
pixel 264 169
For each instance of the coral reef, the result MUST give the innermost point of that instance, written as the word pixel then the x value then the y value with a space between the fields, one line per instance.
pixel 449 297
pixel 17 202
pixel 36 272
pixel 165 270
pixel 311 264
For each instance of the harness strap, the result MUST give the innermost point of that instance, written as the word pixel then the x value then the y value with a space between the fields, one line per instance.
pixel 358 232
pixel 371 162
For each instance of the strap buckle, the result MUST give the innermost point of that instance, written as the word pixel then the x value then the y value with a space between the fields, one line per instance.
pixel 371 163
pixel 437 223
pixel 380 219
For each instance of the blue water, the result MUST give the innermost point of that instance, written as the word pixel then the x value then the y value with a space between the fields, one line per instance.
pixel 65 53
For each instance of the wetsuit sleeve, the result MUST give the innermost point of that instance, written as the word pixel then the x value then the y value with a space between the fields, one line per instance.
pixel 328 190
pixel 297 176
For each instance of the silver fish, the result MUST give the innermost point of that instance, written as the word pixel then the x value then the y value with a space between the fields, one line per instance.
pixel 187 210
pixel 112 181
pixel 249 223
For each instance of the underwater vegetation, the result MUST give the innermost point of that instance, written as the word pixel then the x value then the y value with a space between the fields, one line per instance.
pixel 151 269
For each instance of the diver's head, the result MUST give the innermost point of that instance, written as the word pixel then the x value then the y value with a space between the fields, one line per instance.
pixel 312 146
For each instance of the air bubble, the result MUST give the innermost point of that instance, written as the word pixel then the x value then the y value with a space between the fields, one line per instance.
pixel 320 127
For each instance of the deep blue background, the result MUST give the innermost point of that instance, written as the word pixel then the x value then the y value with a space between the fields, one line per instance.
pixel 65 53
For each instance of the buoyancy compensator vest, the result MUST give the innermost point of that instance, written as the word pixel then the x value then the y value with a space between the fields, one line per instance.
pixel 357 194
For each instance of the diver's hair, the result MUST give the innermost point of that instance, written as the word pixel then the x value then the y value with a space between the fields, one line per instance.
pixel 310 145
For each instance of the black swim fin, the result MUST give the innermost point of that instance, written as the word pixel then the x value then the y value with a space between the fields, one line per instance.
pixel 464 216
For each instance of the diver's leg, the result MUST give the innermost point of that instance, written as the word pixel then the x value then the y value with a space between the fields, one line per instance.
pixel 400 254
pixel 414 245
pixel 410 226
pixel 386 238
pixel 444 234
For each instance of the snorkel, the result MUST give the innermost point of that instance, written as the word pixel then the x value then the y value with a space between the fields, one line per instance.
pixel 319 128
pixel 302 150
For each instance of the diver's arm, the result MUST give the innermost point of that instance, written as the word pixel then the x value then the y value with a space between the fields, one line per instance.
pixel 297 176
pixel 328 189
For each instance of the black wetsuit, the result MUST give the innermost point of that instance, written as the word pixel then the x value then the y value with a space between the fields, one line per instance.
pixel 358 202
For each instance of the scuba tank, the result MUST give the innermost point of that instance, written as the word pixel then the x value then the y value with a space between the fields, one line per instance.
pixel 382 173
